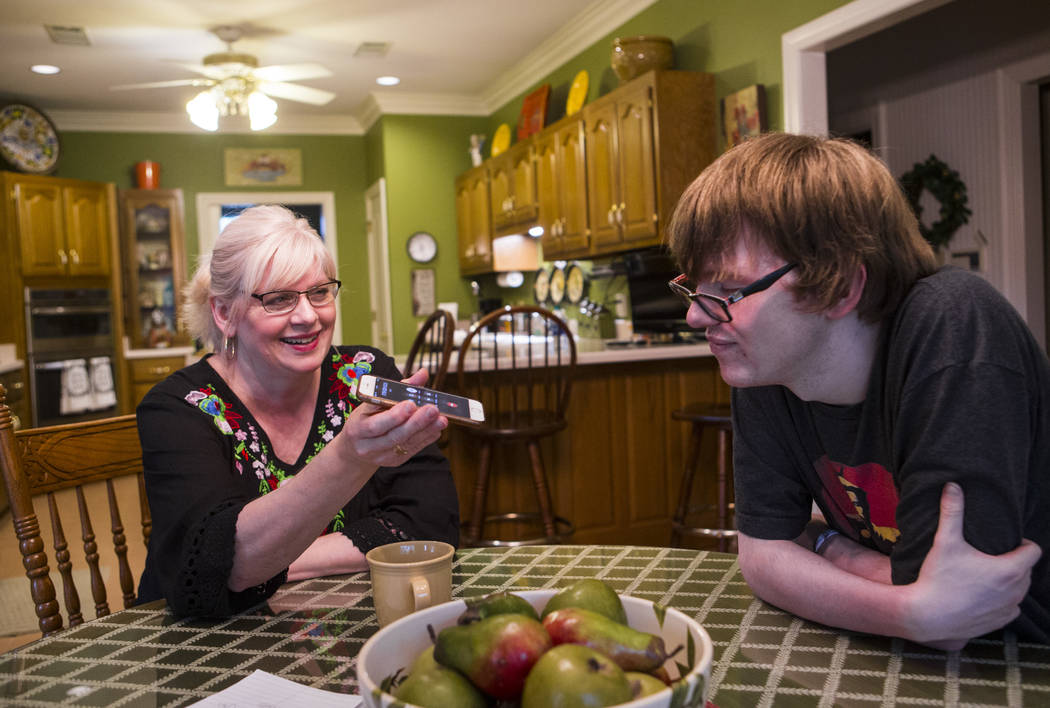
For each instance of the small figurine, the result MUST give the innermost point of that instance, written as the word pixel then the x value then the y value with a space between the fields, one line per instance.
pixel 160 334
pixel 477 140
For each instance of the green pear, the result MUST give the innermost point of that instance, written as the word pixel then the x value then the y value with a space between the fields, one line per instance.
pixel 495 653
pixel 644 684
pixel 424 662
pixel 574 676
pixel 590 594
pixel 630 649
pixel 439 687
pixel 498 603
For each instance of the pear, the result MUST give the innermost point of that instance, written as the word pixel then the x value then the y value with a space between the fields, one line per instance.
pixel 590 594
pixel 439 687
pixel 478 608
pixel 424 662
pixel 574 676
pixel 644 684
pixel 495 653
pixel 630 649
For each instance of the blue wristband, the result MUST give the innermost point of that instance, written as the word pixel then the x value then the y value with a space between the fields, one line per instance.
pixel 822 540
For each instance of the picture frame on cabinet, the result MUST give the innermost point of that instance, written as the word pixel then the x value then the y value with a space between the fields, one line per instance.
pixel 744 114
pixel 533 112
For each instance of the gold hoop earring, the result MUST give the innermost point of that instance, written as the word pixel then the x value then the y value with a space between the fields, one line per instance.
pixel 229 347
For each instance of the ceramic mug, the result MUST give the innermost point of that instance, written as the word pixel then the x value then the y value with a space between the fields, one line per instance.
pixel 409 576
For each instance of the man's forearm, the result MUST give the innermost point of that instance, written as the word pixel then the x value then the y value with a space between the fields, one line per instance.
pixel 847 554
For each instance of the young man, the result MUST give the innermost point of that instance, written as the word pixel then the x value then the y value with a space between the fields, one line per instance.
pixel 870 382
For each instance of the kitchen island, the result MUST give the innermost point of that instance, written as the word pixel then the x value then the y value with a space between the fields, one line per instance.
pixel 614 472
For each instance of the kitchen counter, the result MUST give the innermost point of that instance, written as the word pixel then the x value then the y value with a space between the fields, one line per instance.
pixel 10 365
pixel 185 352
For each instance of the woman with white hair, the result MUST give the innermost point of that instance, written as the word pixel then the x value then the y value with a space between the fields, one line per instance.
pixel 261 464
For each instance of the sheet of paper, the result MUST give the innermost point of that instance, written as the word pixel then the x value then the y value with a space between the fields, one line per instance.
pixel 265 690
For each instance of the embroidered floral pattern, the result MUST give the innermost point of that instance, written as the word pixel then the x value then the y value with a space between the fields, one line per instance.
pixel 250 450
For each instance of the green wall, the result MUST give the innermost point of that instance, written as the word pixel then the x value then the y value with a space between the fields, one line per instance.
pixel 420 155
pixel 738 42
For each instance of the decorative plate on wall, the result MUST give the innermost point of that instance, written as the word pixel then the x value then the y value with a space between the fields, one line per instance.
pixel 542 286
pixel 577 93
pixel 28 139
pixel 501 140
pixel 557 286
pixel 575 284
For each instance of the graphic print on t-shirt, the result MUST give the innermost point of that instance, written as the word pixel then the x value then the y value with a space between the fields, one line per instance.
pixel 862 499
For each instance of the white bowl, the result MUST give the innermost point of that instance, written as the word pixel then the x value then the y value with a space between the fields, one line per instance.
pixel 398 644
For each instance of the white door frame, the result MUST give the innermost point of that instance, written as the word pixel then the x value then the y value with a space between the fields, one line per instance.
pixel 377 234
pixel 209 209
pixel 803 52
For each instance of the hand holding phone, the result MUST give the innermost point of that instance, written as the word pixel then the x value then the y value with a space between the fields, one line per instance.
pixel 387 392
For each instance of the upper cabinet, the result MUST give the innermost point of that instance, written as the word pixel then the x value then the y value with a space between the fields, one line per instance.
pixel 154 265
pixel 63 226
pixel 606 179
pixel 645 142
pixel 512 188
pixel 561 189
pixel 474 222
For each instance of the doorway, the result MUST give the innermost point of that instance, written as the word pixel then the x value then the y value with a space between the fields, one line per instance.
pixel 379 266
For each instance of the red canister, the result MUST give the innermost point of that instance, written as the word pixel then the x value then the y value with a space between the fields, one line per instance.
pixel 147 174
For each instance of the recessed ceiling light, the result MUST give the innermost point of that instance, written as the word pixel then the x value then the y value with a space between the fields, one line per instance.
pixel 44 69
pixel 388 81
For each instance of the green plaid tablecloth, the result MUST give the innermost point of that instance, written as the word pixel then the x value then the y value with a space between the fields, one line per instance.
pixel 312 630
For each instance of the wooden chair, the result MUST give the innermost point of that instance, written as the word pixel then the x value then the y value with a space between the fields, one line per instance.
pixel 46 460
pixel 716 417
pixel 432 348
pixel 519 362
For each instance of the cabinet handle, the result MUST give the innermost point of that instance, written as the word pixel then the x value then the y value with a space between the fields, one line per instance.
pixel 75 256
pixel 17 386
pixel 62 257
pixel 160 370
pixel 16 422
pixel 612 214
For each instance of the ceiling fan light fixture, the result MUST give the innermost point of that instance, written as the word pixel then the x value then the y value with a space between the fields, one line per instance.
pixel 262 110
pixel 203 111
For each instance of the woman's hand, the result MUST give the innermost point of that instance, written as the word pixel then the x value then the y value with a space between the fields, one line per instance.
pixel 387 437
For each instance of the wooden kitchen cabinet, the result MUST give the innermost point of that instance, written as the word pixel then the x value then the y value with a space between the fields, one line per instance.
pixel 645 142
pixel 512 188
pixel 145 373
pixel 64 226
pixel 473 221
pixel 153 248
pixel 561 189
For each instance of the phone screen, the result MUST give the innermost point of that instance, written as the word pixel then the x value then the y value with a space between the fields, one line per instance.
pixel 447 403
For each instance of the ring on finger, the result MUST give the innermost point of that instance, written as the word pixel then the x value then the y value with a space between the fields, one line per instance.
pixel 400 450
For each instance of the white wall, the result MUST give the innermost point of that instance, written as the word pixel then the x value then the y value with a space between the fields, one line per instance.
pixel 944 83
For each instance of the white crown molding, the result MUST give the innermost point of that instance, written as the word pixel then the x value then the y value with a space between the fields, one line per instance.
pixel 597 20
pixel 155 122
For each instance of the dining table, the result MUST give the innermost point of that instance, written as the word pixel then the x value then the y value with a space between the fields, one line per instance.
pixel 311 631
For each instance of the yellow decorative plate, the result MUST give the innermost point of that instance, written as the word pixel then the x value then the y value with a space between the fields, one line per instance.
pixel 575 284
pixel 577 93
pixel 557 286
pixel 501 140
pixel 542 286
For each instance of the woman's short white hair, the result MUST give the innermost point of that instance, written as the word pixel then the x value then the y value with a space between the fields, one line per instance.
pixel 266 247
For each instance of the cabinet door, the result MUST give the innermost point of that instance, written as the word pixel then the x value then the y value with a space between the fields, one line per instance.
pixel 636 212
pixel 548 192
pixel 39 212
pixel 501 191
pixel 524 175
pixel 473 224
pixel 87 229
pixel 575 235
pixel 603 174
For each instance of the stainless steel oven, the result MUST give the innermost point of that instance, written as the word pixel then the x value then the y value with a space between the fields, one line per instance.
pixel 70 350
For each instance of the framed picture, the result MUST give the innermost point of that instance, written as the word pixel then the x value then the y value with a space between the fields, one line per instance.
pixel 744 114
pixel 278 167
pixel 533 112
pixel 423 292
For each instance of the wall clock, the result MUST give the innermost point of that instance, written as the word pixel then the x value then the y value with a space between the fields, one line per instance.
pixel 28 139
pixel 422 247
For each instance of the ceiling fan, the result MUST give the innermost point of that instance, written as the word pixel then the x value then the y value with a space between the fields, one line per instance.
pixel 235 85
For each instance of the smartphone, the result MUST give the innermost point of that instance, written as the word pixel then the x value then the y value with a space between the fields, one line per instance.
pixel 387 392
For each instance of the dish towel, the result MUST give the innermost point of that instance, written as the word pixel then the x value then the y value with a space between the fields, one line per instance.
pixel 77 396
pixel 103 395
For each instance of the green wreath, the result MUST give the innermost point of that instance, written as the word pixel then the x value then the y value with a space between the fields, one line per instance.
pixel 946 187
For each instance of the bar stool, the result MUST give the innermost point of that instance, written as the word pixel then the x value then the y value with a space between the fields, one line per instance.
pixel 703 416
